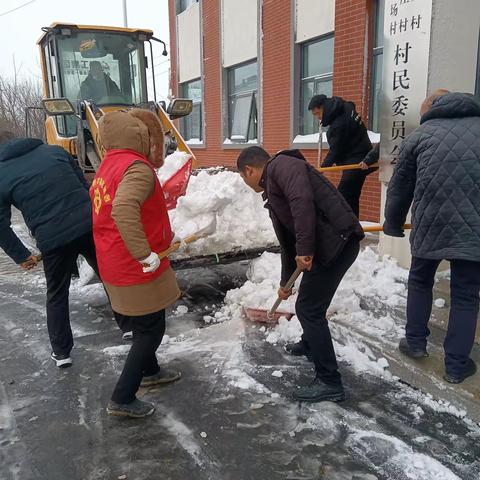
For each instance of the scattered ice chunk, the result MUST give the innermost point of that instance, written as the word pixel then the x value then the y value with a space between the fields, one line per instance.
pixel 277 373
pixel 203 434
pixel 440 302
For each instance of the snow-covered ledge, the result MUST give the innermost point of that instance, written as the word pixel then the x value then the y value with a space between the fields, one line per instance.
pixel 238 141
pixel 311 141
pixel 195 143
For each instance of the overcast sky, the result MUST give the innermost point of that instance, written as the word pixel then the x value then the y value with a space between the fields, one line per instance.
pixel 20 29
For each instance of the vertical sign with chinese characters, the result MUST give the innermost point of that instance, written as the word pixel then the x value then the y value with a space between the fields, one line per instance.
pixel 405 74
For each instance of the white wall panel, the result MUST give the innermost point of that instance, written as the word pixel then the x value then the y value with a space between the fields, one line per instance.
pixel 189 51
pixel 239 31
pixel 314 18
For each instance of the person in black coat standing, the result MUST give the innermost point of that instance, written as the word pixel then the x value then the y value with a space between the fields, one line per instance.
pixel 47 186
pixel 438 174
pixel 348 143
pixel 318 233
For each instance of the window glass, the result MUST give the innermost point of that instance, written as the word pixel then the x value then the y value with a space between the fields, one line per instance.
pixel 106 68
pixel 191 125
pixel 182 5
pixel 477 91
pixel 377 68
pixel 316 78
pixel 242 102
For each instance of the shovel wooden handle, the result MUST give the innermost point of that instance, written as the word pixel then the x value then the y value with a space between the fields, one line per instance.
pixel 288 286
pixel 341 168
pixel 173 248
pixel 379 228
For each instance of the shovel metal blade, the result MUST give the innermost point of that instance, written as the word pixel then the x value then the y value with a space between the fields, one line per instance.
pixel 261 316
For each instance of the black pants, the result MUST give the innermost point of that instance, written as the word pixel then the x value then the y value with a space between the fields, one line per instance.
pixel 59 265
pixel 314 297
pixel 148 331
pixel 350 187
pixel 464 291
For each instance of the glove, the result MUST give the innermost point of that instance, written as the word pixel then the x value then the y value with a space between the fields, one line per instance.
pixel 151 263
pixel 392 231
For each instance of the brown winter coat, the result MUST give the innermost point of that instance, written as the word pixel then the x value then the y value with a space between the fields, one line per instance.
pixel 133 131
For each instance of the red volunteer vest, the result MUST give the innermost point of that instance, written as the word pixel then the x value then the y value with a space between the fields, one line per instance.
pixel 115 263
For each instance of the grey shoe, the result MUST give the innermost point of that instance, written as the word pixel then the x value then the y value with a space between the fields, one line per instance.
pixel 164 375
pixel 61 361
pixel 412 352
pixel 318 391
pixel 136 409
pixel 127 336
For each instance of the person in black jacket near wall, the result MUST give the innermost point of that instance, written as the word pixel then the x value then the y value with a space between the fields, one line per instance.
pixel 47 186
pixel 348 143
pixel 438 173
pixel 317 232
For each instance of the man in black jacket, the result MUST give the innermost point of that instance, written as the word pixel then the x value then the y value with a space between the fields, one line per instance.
pixel 98 86
pixel 438 173
pixel 317 232
pixel 49 189
pixel 348 144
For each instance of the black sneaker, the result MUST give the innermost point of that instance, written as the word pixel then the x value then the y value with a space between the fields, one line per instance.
pixel 470 370
pixel 136 409
pixel 318 391
pixel 61 361
pixel 165 375
pixel 412 352
pixel 299 349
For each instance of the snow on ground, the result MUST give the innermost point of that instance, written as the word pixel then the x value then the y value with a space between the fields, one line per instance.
pixel 370 277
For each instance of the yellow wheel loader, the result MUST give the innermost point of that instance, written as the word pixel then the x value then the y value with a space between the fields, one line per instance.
pixel 90 70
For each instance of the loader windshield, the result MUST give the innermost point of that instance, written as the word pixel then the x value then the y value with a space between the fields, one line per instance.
pixel 106 68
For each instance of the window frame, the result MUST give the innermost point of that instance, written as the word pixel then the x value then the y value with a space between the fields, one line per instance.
pixel 253 122
pixel 184 121
pixel 316 79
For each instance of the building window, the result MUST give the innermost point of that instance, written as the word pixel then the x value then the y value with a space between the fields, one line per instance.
pixel 191 125
pixel 242 103
pixel 477 89
pixel 182 5
pixel 316 78
pixel 377 67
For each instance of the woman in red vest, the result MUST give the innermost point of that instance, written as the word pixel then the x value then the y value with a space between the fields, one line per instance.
pixel 130 226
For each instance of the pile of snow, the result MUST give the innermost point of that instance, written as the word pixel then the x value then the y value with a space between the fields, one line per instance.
pixel 173 163
pixel 242 221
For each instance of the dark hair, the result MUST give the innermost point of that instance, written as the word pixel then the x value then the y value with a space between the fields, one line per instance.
pixel 252 157
pixel 6 136
pixel 317 101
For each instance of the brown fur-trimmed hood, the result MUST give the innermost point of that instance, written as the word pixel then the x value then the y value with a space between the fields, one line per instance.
pixel 137 129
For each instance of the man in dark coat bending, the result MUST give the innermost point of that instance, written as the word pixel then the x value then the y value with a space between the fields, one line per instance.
pixel 438 174
pixel 317 232
pixel 348 143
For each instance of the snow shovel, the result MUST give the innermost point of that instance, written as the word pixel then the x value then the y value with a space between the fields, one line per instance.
pixel 272 315
pixel 341 168
pixel 379 228
pixel 202 233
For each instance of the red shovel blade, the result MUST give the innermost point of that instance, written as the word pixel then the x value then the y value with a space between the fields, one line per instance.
pixel 176 186
pixel 261 316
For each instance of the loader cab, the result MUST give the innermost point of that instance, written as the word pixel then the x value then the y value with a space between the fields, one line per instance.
pixel 104 66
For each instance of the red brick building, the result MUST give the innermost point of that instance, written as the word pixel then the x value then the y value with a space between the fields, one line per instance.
pixel 252 65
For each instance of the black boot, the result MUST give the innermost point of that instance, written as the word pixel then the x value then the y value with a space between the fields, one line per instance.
pixel 136 409
pixel 470 369
pixel 318 391
pixel 412 352
pixel 299 349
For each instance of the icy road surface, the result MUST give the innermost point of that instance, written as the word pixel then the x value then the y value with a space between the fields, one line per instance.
pixel 229 418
